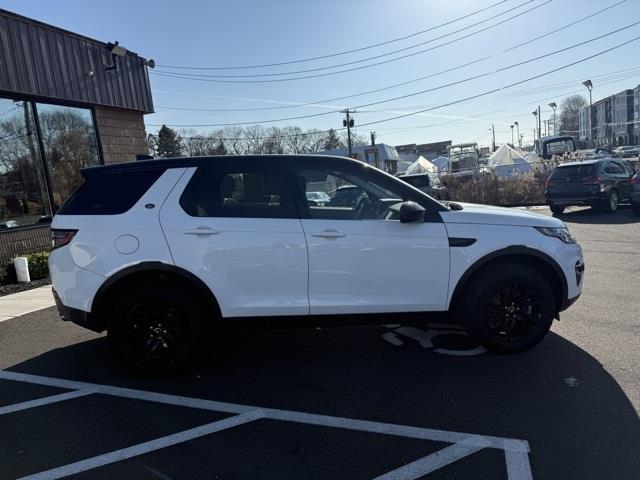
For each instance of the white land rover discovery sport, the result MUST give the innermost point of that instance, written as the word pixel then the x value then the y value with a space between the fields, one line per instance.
pixel 157 251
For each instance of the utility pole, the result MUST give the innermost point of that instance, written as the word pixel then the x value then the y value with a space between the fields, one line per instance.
pixel 493 143
pixel 512 125
pixel 348 123
pixel 554 106
pixel 539 123
pixel 589 85
pixel 373 139
pixel 518 133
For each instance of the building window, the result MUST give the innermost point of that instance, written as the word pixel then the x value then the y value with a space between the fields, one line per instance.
pixel 24 197
pixel 69 140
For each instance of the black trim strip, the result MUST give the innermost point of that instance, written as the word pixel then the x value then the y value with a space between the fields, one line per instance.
pixel 461 242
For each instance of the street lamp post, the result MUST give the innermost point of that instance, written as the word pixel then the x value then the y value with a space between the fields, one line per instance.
pixel 512 134
pixel 518 133
pixel 554 106
pixel 535 115
pixel 589 85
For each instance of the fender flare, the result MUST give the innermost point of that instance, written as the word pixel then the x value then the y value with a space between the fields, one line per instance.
pixel 152 266
pixel 509 251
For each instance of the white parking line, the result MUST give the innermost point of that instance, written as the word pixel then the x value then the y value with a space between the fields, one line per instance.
pixel 431 463
pixel 38 402
pixel 146 447
pixel 518 467
pixel 516 451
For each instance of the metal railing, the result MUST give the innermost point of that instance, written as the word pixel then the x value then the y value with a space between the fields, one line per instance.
pixel 23 241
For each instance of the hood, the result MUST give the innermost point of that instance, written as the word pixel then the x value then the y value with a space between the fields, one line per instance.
pixel 490 215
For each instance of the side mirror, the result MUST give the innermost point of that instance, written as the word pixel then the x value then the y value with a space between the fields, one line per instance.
pixel 411 212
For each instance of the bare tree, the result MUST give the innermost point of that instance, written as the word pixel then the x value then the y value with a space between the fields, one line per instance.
pixel 294 140
pixel 254 137
pixel 314 140
pixel 570 114
pixel 234 140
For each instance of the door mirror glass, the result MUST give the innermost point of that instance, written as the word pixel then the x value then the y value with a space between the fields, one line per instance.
pixel 411 212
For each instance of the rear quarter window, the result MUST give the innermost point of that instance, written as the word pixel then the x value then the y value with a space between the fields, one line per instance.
pixel 110 193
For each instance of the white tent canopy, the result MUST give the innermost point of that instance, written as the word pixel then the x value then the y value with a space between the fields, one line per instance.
pixel 441 163
pixel 421 165
pixel 507 162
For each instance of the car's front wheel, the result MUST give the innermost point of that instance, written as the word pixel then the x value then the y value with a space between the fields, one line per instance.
pixel 508 307
pixel 156 331
pixel 556 209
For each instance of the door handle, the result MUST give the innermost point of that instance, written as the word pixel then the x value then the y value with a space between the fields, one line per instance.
pixel 329 233
pixel 201 231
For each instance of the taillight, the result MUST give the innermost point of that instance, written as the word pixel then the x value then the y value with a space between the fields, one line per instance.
pixel 591 181
pixel 636 180
pixel 60 238
pixel 548 183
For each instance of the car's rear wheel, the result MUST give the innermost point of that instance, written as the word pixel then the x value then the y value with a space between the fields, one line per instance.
pixel 556 209
pixel 508 307
pixel 157 331
pixel 610 205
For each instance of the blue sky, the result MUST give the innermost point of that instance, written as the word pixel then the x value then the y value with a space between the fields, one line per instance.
pixel 233 33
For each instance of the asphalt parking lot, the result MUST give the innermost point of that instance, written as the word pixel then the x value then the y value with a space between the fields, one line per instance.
pixel 390 402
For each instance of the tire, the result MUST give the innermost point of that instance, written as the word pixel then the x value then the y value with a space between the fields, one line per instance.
pixel 635 208
pixel 556 209
pixel 157 331
pixel 489 310
pixel 610 205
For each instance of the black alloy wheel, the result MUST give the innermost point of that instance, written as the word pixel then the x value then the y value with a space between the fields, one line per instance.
pixel 513 312
pixel 507 306
pixel 156 332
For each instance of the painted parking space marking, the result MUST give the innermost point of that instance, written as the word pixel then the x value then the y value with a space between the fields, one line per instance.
pixel 425 339
pixel 39 402
pixel 462 444
pixel 432 462
pixel 146 447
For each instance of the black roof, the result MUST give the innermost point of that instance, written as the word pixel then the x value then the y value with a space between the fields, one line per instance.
pixel 184 162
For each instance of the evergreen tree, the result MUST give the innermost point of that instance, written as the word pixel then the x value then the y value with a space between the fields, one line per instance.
pixel 332 141
pixel 168 143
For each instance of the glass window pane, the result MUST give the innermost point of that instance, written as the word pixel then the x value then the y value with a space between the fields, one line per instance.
pixel 236 189
pixel 23 190
pixel 69 139
pixel 352 195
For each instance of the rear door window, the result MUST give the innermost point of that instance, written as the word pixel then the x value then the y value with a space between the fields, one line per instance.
pixel 238 188
pixel 111 192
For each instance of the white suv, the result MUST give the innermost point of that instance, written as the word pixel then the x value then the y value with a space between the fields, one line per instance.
pixel 157 251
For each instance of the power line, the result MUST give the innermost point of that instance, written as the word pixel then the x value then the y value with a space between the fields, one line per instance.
pixel 354 62
pixel 488 92
pixel 206 78
pixel 309 59
pixel 439 87
pixel 389 87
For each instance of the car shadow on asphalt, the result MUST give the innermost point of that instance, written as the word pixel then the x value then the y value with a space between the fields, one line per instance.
pixel 577 419
pixel 623 216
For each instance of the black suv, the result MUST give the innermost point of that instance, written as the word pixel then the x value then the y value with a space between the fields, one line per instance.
pixel 635 193
pixel 601 183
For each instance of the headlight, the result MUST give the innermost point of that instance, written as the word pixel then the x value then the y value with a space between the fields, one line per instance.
pixel 561 233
